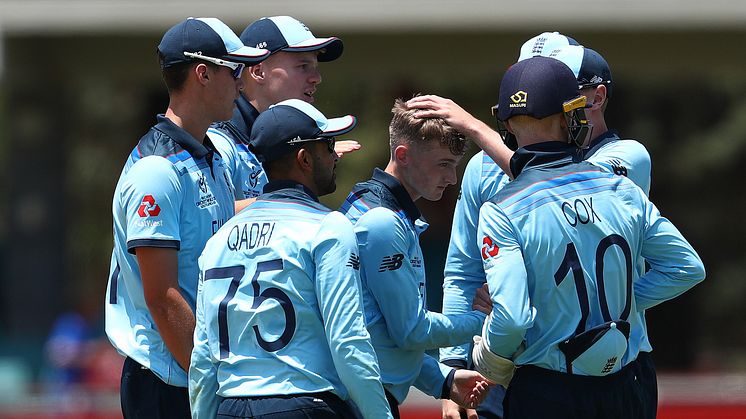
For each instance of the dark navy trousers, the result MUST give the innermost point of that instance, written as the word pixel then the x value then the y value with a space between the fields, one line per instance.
pixel 145 396
pixel 306 406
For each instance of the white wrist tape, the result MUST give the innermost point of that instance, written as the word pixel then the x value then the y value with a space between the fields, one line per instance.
pixel 492 366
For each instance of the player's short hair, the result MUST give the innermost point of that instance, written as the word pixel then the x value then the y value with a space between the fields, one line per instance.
pixel 175 76
pixel 405 128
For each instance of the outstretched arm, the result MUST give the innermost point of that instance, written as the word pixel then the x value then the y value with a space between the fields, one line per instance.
pixel 489 140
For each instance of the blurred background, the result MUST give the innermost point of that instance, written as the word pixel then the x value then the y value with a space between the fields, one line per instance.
pixel 79 85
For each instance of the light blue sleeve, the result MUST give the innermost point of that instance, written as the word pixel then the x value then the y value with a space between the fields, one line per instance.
pixel 507 278
pixel 382 233
pixel 341 306
pixel 625 157
pixel 675 266
pixel 464 273
pixel 153 207
pixel 203 381
pixel 432 376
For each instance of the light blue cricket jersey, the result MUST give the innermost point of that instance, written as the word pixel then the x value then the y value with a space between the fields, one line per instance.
pixel 173 192
pixel 482 180
pixel 559 220
pixel 279 308
pixel 464 274
pixel 626 157
pixel 388 226
pixel 231 139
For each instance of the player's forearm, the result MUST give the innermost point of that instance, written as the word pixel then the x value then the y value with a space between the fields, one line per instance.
pixel 436 330
pixel 656 286
pixel 175 321
pixel 491 142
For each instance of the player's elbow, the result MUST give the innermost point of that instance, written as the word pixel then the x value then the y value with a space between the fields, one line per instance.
pixel 512 324
pixel 696 272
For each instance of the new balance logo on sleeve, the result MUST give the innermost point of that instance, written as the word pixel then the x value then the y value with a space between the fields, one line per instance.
pixel 354 262
pixel 391 263
pixel 618 168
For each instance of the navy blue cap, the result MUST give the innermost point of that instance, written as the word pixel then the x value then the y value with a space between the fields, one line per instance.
pixel 537 87
pixel 589 67
pixel 209 37
pixel 285 126
pixel 284 33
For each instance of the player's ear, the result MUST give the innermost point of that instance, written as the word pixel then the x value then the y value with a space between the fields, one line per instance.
pixel 202 72
pixel 401 154
pixel 256 72
pixel 599 96
pixel 304 158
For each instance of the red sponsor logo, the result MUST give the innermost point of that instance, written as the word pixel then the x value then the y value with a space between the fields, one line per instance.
pixel 148 207
pixel 489 248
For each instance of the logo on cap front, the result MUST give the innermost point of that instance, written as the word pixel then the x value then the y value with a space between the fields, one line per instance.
pixel 519 99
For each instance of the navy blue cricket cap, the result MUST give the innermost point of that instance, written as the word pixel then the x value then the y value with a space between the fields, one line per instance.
pixel 284 33
pixel 537 87
pixel 589 67
pixel 286 126
pixel 209 37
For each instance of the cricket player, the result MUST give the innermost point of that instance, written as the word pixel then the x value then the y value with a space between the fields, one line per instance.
pixel 280 329
pixel 291 72
pixel 172 195
pixel 559 246
pixel 424 156
pixel 483 178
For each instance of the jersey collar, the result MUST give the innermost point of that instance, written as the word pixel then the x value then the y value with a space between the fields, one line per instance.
pixel 244 116
pixel 547 154
pixel 601 140
pixel 398 191
pixel 184 139
pixel 276 185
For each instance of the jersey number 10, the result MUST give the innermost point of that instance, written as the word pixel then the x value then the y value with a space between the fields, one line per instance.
pixel 571 262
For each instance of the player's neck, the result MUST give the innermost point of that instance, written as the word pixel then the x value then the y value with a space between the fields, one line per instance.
pixel 182 116
pixel 398 172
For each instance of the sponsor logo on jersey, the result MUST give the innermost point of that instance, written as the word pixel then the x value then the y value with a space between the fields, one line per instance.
pixel 148 207
pixel 489 248
pixel 519 99
pixel 617 167
pixel 391 263
pixel 354 262
pixel 416 262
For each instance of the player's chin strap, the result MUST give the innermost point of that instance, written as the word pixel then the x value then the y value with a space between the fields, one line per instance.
pixel 493 367
pixel 508 137
pixel 578 125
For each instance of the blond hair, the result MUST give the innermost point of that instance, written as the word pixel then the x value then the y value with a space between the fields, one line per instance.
pixel 406 128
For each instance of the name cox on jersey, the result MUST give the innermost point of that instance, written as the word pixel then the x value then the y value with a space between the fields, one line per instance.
pixel 580 211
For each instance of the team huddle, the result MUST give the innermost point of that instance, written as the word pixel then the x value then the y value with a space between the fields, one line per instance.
pixel 234 293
